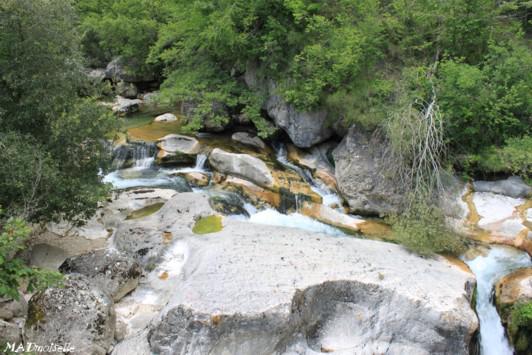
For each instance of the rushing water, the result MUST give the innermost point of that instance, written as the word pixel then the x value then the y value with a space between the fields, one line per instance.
pixel 329 197
pixel 488 269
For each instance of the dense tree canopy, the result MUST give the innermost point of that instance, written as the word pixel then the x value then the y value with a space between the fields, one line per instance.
pixel 354 57
pixel 49 135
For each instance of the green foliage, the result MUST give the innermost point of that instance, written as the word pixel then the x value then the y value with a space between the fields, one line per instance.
pixel 51 139
pixel 422 229
pixel 515 158
pixel 353 57
pixel 125 28
pixel 486 105
pixel 520 327
pixel 13 271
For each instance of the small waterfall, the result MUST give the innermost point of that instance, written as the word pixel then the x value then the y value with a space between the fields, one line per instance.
pixel 120 155
pixel 489 268
pixel 136 155
pixel 143 156
pixel 282 158
pixel 201 159
pixel 329 197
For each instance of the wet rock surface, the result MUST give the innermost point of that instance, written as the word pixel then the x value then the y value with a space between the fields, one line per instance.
pixel 242 165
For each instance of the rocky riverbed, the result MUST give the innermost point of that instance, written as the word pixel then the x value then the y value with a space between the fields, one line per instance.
pixel 227 244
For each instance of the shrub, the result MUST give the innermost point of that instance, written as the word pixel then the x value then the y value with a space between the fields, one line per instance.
pixel 13 270
pixel 422 229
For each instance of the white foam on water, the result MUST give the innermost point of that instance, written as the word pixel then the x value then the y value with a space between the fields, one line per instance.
pixel 488 269
pixel 294 220
pixel 136 177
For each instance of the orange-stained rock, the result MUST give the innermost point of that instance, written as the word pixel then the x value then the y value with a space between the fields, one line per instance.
pixel 196 178
pixel 514 287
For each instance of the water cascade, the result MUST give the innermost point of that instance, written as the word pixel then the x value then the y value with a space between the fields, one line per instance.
pixel 328 196
pixel 488 269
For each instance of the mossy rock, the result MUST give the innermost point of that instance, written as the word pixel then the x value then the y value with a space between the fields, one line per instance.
pixel 228 204
pixel 145 211
pixel 209 224
pixel 520 327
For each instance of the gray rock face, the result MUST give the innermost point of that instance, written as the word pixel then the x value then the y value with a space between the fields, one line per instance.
pixel 176 143
pixel 514 187
pixel 305 129
pixel 242 165
pixel 146 239
pixel 361 177
pixel 96 75
pixel 255 289
pixel 78 313
pixel 127 90
pixel 167 117
pixel 111 271
pixel 10 332
pixel 177 149
pixel 10 309
pixel 117 71
pixel 247 139
pixel 126 106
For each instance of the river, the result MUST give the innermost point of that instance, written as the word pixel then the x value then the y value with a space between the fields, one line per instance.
pixel 488 268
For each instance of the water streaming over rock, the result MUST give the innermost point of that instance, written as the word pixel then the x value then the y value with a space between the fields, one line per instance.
pixel 328 196
pixel 488 269
pixel 138 154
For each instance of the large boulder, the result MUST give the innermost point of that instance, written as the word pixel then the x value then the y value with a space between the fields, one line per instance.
pixel 249 140
pixel 362 177
pixel 166 117
pixel 125 106
pixel 514 288
pixel 514 187
pixel 111 271
pixel 146 239
pixel 10 308
pixel 53 243
pixel 10 333
pixel 513 297
pixel 256 289
pixel 242 165
pixel 177 149
pixel 127 90
pixel 78 314
pixel 118 70
pixel 305 129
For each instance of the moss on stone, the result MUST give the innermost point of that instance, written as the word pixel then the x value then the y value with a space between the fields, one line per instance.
pixel 520 327
pixel 209 224
pixel 145 211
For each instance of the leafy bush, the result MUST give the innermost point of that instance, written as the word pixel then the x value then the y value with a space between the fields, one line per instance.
pixel 50 137
pixel 13 271
pixel 422 229
pixel 515 158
